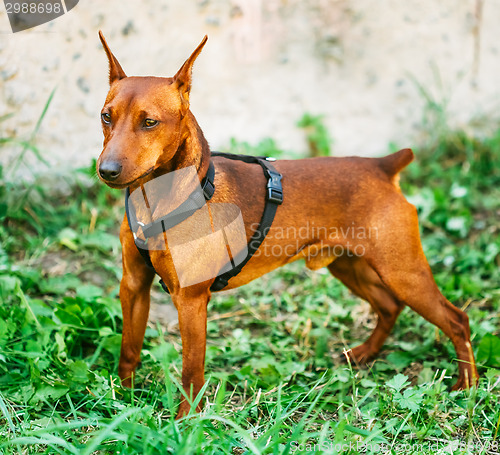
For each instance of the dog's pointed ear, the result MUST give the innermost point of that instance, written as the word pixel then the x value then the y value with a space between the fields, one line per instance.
pixel 183 77
pixel 115 70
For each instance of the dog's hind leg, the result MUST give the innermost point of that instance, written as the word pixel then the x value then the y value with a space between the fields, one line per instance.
pixel 363 281
pixel 398 258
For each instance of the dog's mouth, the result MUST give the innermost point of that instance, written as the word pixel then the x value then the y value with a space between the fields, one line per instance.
pixel 121 186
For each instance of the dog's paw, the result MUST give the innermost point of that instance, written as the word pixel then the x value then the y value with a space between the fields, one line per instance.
pixel 360 355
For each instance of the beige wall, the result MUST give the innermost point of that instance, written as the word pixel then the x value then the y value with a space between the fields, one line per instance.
pixel 266 63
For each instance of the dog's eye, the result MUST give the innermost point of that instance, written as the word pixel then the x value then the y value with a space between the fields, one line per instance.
pixel 106 118
pixel 149 123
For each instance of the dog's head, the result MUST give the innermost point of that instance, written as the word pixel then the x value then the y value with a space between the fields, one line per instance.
pixel 143 120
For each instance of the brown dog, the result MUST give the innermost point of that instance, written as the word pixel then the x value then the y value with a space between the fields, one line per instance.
pixel 347 214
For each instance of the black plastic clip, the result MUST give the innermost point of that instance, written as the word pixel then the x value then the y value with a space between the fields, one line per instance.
pixel 274 188
pixel 208 189
pixel 140 243
pixel 219 283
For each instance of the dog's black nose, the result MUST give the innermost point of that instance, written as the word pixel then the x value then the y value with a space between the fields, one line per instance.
pixel 110 170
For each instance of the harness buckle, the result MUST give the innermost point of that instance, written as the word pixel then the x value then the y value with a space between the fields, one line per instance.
pixel 274 188
pixel 143 244
pixel 219 283
pixel 208 190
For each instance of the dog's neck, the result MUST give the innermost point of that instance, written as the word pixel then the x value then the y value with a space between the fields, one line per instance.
pixel 193 150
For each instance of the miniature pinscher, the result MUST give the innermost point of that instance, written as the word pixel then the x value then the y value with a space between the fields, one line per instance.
pixel 346 214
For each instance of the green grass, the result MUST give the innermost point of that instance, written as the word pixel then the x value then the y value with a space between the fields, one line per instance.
pixel 275 382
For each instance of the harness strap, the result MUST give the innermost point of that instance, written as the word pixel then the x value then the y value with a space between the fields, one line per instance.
pixel 195 201
pixel 139 243
pixel 274 197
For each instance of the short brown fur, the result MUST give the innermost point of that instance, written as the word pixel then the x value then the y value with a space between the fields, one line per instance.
pixel 338 193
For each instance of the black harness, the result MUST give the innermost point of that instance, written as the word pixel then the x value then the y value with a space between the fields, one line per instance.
pixel 197 199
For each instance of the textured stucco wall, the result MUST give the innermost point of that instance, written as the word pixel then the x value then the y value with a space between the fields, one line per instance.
pixel 266 63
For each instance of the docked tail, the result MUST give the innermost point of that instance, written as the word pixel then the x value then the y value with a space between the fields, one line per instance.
pixel 394 163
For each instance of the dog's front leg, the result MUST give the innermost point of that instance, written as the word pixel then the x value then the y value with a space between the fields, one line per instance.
pixel 191 305
pixel 135 289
